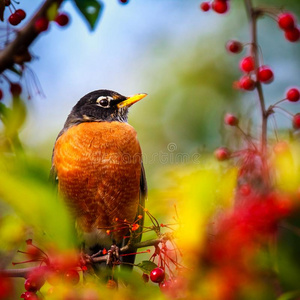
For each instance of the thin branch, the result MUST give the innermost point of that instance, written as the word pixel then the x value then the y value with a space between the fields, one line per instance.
pixel 253 14
pixel 24 37
pixel 104 258
pixel 20 272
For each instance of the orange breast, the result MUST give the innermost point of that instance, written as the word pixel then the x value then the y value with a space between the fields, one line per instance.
pixel 99 167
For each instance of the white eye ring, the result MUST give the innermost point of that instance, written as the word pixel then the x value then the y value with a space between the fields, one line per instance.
pixel 104 101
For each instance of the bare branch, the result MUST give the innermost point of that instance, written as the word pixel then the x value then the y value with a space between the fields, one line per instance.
pixel 24 37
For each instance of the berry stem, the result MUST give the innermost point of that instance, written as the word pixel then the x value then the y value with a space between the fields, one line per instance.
pixel 24 38
pixel 253 15
pixel 247 137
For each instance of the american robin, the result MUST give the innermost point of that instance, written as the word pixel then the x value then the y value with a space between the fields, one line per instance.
pixel 97 162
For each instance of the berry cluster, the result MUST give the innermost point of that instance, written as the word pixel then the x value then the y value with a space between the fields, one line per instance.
pixel 17 15
pixel 59 269
pixel 287 22
pixel 219 6
pixel 255 73
pixel 42 23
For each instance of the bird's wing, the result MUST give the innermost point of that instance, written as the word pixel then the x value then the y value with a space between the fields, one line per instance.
pixel 140 212
pixel 143 197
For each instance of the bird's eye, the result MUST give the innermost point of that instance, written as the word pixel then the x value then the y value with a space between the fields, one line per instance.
pixel 103 102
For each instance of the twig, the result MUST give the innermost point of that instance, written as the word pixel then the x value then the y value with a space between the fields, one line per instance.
pixel 20 272
pixel 24 37
pixel 253 14
pixel 25 271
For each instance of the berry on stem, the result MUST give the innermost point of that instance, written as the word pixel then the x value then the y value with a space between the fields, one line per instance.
pixel 205 6
pixel 41 24
pixel 286 21
pixel 62 19
pixel 234 46
pixel 34 281
pixel 293 95
pixel 231 120
pixel 71 277
pixel 14 19
pixel 247 83
pixel 292 35
pixel 15 89
pixel 220 6
pixel 29 296
pixel 296 121
pixel 265 75
pixel 157 275
pixel 222 153
pixel 21 13
pixel 247 64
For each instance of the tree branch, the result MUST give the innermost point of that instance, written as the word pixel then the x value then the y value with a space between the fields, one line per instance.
pixel 253 14
pixel 24 37
pixel 91 260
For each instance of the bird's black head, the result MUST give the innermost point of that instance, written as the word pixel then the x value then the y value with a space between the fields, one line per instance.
pixel 102 105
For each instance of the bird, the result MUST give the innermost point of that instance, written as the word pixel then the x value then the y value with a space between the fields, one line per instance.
pixel 98 169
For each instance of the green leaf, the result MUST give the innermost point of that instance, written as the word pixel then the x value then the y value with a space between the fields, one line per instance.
pixel 91 10
pixel 147 266
pixel 4 112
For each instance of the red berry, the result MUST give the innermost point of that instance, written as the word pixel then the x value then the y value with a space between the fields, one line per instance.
pixel 296 121
pixel 166 286
pixel 15 89
pixel 220 6
pixel 286 21
pixel 1 94
pixel 231 120
pixel 205 6
pixel 29 296
pixel 247 83
pixel 292 35
pixel 265 75
pixel 247 64
pixel 41 24
pixel 222 153
pixel 7 2
pixel 54 277
pixel 34 282
pixel 21 13
pixel 157 275
pixel 234 46
pixel 245 189
pixel 124 1
pixel 62 19
pixel 293 95
pixel 14 19
pixel 71 277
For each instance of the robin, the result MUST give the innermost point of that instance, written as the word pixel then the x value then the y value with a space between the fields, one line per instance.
pixel 97 162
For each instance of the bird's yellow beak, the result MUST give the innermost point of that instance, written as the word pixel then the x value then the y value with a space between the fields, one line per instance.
pixel 131 100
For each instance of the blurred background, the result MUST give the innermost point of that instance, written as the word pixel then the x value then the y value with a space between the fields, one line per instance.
pixel 169 49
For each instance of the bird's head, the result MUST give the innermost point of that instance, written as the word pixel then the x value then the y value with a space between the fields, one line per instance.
pixel 102 105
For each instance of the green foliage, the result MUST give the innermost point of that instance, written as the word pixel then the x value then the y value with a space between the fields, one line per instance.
pixel 146 266
pixel 90 10
pixel 25 188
